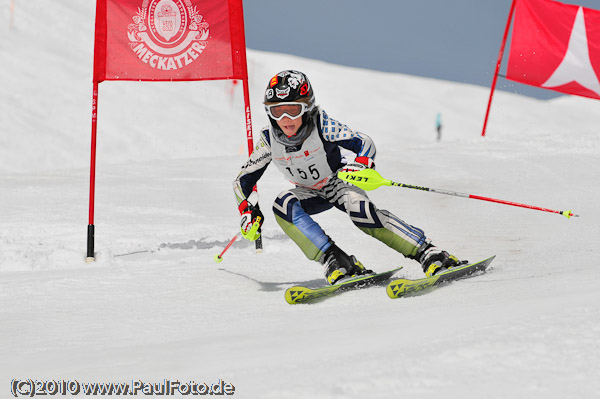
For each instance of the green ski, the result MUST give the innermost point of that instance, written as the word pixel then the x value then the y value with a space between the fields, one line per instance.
pixel 299 294
pixel 405 287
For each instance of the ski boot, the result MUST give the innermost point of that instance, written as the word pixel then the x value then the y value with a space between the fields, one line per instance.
pixel 434 260
pixel 339 265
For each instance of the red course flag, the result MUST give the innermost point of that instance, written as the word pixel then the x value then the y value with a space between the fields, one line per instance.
pixel 169 40
pixel 166 40
pixel 556 46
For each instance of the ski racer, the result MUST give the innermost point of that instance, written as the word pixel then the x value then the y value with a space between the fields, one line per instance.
pixel 305 144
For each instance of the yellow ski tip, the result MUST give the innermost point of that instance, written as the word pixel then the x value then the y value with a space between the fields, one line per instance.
pixel 294 295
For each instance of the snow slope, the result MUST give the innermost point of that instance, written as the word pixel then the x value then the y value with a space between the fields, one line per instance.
pixel 155 306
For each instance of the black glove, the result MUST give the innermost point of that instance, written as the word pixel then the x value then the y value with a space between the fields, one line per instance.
pixel 251 220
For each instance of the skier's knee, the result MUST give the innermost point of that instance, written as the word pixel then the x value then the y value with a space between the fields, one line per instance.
pixel 284 204
pixel 364 215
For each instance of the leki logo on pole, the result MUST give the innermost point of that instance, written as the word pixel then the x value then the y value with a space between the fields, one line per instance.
pixel 167 34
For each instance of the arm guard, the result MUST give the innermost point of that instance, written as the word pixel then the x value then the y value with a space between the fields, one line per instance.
pixel 254 168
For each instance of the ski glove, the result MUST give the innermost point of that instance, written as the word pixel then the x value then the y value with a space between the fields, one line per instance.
pixel 359 163
pixel 251 217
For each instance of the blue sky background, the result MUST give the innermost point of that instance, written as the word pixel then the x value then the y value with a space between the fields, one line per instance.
pixel 457 40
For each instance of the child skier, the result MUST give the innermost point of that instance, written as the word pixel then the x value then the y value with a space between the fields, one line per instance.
pixel 304 144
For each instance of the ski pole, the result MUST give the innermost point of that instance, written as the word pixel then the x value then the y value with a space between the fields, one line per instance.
pixel 370 179
pixel 219 257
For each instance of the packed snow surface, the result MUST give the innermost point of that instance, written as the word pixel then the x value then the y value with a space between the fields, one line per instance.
pixel 155 306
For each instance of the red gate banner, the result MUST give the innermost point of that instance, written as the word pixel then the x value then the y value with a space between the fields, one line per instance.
pixel 166 40
pixel 556 46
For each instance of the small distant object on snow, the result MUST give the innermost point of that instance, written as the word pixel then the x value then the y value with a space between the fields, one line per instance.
pixel 438 126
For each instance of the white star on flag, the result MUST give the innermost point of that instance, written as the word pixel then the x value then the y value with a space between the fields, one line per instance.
pixel 576 66
pixel 556 46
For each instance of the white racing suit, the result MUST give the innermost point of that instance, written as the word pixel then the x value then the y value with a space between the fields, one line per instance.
pixel 312 166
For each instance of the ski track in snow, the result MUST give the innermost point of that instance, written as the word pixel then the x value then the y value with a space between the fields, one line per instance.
pixel 155 305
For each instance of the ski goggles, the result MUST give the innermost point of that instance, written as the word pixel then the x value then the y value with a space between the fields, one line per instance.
pixel 291 110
